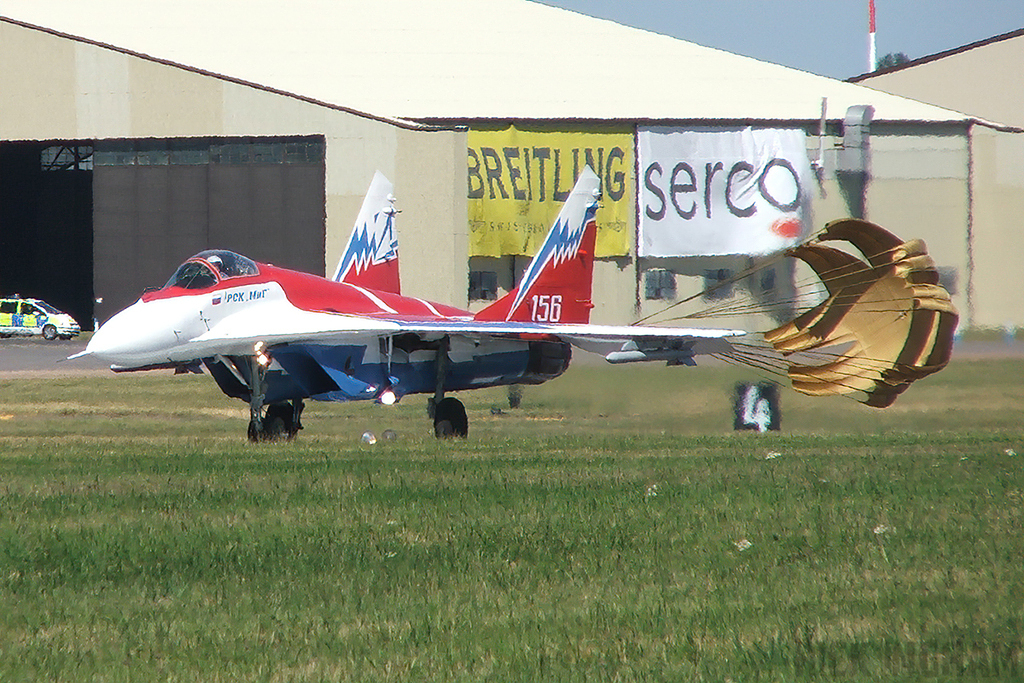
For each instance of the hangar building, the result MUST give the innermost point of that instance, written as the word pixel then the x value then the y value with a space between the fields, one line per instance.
pixel 134 134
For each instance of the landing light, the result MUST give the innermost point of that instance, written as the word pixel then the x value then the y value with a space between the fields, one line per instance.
pixel 262 355
pixel 388 397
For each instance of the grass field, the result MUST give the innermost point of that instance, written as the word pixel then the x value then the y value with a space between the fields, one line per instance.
pixel 613 528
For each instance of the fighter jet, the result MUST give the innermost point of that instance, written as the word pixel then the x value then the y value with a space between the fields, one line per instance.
pixel 275 337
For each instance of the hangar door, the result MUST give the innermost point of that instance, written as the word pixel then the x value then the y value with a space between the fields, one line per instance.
pixel 46 224
pixel 157 202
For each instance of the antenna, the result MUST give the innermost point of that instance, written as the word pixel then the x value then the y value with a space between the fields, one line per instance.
pixel 872 55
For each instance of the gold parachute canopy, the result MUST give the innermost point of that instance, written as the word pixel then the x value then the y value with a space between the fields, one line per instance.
pixel 885 323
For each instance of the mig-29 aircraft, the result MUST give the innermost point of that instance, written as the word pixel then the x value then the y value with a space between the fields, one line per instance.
pixel 275 337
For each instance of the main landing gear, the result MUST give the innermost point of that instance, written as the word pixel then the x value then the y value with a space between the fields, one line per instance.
pixel 450 418
pixel 282 420
pixel 448 413
pixel 279 420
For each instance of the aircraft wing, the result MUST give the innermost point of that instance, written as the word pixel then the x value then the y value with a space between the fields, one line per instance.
pixel 617 343
pixel 283 324
pixel 635 343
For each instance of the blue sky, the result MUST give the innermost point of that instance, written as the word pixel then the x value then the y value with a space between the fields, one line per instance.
pixel 826 37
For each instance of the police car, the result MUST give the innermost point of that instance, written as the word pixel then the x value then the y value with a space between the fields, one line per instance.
pixel 27 317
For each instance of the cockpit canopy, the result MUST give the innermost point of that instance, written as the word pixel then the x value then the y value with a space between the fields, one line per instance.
pixel 207 268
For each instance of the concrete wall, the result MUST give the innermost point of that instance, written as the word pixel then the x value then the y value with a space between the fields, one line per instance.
pixel 917 188
pixel 54 88
pixel 997 249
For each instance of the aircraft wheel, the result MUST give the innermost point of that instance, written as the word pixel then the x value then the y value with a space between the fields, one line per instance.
pixel 278 423
pixel 515 396
pixel 254 433
pixel 49 332
pixel 450 419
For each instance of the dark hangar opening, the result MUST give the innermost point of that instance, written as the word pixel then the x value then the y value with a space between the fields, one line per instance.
pixel 46 224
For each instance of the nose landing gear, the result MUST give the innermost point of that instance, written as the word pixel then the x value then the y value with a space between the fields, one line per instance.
pixel 281 421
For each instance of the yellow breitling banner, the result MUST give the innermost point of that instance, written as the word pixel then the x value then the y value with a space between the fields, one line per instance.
pixel 519 179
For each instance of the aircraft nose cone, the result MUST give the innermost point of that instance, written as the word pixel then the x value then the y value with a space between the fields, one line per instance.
pixel 106 341
pixel 132 338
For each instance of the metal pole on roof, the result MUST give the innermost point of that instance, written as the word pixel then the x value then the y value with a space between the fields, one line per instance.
pixel 872 55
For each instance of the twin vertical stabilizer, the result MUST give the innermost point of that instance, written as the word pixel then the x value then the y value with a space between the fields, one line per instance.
pixel 556 286
pixel 370 258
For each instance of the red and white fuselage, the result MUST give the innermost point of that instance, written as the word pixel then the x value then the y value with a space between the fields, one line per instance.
pixel 179 325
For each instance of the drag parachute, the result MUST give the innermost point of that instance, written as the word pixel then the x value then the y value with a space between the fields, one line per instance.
pixel 885 322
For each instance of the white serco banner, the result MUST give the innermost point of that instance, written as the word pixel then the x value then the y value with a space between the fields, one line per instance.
pixel 708 192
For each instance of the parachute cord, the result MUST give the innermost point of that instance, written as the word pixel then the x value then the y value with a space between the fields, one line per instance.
pixel 744 308
pixel 745 273
pixel 768 360
pixel 768 369
pixel 737 361
pixel 810 286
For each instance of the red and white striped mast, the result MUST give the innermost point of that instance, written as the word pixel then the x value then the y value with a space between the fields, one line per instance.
pixel 872 56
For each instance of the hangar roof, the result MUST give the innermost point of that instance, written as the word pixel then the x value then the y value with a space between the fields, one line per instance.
pixel 434 60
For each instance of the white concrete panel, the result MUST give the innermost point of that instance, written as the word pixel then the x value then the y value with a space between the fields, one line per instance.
pixel 1010 160
pixel 103 99
pixel 984 79
pixel 919 157
pixel 352 159
pixel 167 101
pixel 36 85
